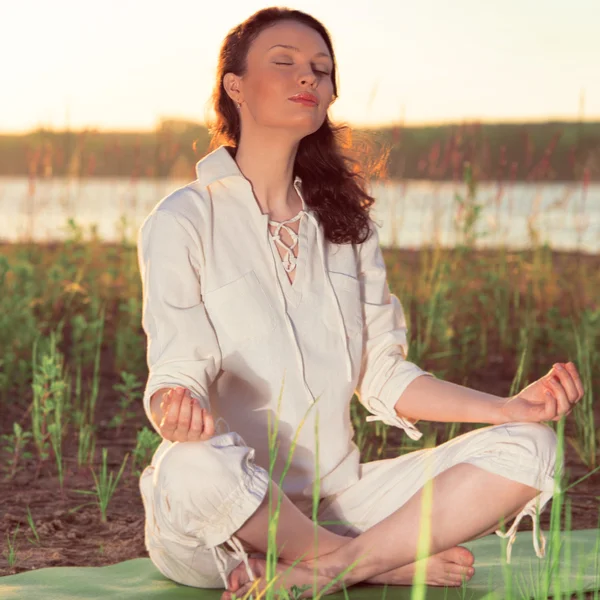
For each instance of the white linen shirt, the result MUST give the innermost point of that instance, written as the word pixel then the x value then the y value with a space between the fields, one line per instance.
pixel 223 320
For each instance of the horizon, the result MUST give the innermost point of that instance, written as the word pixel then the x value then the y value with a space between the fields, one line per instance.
pixel 370 126
pixel 135 64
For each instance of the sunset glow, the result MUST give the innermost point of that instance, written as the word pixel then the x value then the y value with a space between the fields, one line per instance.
pixel 125 64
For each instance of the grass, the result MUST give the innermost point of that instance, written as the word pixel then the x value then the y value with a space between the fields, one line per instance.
pixel 473 312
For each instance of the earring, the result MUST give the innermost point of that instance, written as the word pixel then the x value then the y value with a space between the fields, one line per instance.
pixel 239 105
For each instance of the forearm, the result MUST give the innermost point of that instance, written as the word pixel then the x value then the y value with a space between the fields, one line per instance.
pixel 432 399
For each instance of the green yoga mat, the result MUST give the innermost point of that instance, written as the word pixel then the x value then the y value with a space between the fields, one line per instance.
pixel 138 579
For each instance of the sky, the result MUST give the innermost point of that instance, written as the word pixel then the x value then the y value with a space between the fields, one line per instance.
pixel 125 64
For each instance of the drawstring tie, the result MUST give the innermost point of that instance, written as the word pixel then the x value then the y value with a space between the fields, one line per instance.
pixel 529 509
pixel 219 554
pixel 389 417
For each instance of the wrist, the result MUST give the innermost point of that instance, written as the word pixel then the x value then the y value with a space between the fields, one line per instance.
pixel 500 416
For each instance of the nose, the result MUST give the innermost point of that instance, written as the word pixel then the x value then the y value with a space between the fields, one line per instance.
pixel 308 78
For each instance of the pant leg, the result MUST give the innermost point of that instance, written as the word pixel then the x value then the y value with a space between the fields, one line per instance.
pixel 535 444
pixel 195 496
pixel 524 452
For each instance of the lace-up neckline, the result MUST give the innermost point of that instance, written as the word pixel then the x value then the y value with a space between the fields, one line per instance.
pixel 290 260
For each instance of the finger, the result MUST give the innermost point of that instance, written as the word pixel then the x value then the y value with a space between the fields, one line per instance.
pixel 166 400
pixel 568 382
pixel 559 417
pixel 557 390
pixel 550 407
pixel 576 378
pixel 573 393
pixel 197 423
pixel 185 414
pixel 170 419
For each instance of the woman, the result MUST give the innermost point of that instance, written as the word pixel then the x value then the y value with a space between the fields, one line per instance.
pixel 265 297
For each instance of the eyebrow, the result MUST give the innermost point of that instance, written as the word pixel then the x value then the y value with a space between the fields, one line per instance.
pixel 298 50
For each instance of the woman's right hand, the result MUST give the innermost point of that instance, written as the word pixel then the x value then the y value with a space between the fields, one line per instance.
pixel 184 420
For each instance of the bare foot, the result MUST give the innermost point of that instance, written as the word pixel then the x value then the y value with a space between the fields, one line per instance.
pixel 300 576
pixel 448 568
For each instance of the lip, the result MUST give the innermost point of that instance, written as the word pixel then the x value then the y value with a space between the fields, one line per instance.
pixel 305 98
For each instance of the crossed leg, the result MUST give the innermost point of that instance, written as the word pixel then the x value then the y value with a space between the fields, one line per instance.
pixel 467 502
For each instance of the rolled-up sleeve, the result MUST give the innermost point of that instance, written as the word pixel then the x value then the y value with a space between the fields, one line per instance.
pixel 182 347
pixel 385 372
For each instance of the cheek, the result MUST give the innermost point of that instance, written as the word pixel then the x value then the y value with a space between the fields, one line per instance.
pixel 327 92
pixel 271 86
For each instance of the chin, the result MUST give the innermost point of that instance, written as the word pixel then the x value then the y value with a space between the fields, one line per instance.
pixel 307 125
pixel 300 125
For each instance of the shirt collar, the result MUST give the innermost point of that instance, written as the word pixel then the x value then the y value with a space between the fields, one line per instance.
pixel 219 164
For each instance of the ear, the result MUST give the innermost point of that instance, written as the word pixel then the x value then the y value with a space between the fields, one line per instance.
pixel 231 84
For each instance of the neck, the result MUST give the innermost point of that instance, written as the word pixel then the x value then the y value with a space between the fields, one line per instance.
pixel 268 163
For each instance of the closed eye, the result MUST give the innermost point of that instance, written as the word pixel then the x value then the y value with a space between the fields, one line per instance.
pixel 315 70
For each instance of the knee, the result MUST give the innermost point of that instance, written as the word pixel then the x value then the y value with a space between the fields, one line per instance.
pixel 539 440
pixel 215 464
pixel 186 460
pixel 200 493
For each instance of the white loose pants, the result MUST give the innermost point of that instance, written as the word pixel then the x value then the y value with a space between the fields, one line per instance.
pixel 196 495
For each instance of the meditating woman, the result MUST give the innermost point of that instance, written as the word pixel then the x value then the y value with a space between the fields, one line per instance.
pixel 265 300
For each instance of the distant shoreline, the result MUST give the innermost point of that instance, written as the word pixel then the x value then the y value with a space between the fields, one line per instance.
pixel 177 124
pixel 593 257
pixel 390 181
pixel 553 151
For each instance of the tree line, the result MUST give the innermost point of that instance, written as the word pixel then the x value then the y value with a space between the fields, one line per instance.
pixel 549 151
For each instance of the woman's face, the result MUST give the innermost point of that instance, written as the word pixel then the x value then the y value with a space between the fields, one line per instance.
pixel 275 74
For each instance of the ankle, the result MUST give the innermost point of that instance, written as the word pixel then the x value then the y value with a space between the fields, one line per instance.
pixel 338 561
pixel 312 555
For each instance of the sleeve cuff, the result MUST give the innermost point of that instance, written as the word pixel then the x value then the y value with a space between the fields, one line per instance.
pixel 382 407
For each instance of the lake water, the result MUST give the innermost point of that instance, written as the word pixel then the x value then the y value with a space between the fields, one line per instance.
pixel 411 214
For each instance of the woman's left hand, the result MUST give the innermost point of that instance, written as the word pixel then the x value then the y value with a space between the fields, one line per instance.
pixel 533 404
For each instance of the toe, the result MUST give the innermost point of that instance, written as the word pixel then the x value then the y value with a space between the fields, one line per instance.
pixel 241 593
pixel 465 556
pixel 457 579
pixel 234 580
pixel 461 570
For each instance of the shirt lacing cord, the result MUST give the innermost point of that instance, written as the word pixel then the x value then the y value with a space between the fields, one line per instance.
pixel 292 260
pixel 289 262
pixel 287 319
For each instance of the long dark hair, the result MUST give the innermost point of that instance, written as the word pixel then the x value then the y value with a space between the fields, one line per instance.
pixel 332 182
